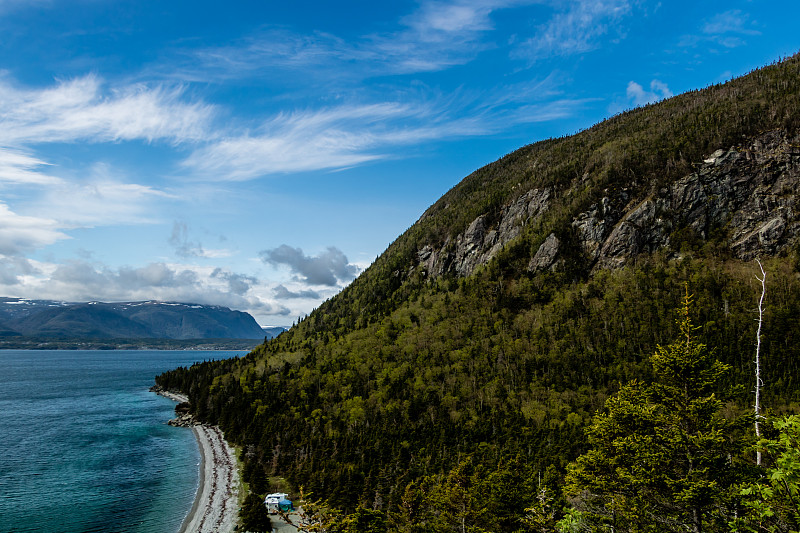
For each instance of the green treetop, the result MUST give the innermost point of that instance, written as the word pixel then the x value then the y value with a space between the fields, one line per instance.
pixel 660 453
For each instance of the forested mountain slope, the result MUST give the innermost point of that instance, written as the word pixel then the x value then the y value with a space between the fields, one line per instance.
pixel 473 353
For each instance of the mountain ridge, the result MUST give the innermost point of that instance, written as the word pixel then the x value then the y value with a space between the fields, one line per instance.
pixel 635 153
pixel 124 320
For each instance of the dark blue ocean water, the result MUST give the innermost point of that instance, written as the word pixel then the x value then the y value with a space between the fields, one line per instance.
pixel 85 447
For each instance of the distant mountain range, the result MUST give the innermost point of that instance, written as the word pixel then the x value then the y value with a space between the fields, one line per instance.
pixel 273 331
pixel 125 320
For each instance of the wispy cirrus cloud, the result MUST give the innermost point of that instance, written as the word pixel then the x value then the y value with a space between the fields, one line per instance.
pixel 99 197
pixel 85 109
pixel 261 54
pixel 733 21
pixel 437 35
pixel 56 205
pixel 434 21
pixel 441 34
pixel 330 138
pixel 19 168
pixel 293 142
pixel 48 207
pixel 727 29
pixel 348 135
pixel 575 27
pixel 368 124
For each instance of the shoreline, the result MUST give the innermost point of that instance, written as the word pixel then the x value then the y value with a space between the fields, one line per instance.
pixel 200 484
pixel 216 502
pixel 174 396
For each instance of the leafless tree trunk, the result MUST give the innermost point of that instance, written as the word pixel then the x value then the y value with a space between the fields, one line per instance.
pixel 763 280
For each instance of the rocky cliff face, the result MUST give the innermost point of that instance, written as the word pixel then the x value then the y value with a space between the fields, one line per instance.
pixel 480 242
pixel 748 193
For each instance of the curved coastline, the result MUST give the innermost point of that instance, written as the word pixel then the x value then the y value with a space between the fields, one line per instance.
pixel 200 483
pixel 216 502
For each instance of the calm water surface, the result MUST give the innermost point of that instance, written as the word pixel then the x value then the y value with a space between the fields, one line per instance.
pixel 85 447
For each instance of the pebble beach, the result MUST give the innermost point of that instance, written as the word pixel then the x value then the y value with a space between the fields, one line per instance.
pixel 216 503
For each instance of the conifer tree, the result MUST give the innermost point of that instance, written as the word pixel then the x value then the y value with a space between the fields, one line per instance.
pixel 254 514
pixel 660 452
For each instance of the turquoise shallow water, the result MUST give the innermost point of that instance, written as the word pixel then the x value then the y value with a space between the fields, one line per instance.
pixel 85 447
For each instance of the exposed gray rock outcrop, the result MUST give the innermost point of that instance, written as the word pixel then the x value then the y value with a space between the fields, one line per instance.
pixel 747 194
pixel 545 256
pixel 480 242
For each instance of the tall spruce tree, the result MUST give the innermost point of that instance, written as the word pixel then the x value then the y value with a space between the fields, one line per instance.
pixel 660 457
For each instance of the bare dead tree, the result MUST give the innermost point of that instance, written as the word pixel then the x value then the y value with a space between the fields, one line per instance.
pixel 763 280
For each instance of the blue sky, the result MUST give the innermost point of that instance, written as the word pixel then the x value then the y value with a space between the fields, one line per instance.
pixel 260 154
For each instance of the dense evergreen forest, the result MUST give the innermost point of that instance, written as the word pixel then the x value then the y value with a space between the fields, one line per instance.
pixel 516 399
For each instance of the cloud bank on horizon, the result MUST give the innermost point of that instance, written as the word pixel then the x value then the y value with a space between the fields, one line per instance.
pixel 261 156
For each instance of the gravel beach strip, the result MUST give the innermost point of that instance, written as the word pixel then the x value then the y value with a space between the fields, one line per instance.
pixel 216 503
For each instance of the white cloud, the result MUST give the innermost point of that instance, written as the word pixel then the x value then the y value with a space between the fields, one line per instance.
pixel 83 109
pixel 283 293
pixel 237 283
pixel 14 269
pixel 436 18
pixel 56 205
pixel 20 234
pixel 441 34
pixel 348 135
pixel 265 52
pixel 326 268
pixel 638 96
pixel 553 110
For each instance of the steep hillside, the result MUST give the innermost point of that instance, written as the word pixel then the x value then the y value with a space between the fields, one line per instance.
pixel 472 354
pixel 128 320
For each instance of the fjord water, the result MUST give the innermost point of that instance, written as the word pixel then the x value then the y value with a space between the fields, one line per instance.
pixel 84 446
